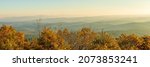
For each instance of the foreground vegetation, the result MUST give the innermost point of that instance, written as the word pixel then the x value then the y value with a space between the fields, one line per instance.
pixel 84 39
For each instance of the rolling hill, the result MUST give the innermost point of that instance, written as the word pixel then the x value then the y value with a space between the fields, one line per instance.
pixel 115 25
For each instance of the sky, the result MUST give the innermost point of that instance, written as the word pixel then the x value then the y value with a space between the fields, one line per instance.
pixel 73 8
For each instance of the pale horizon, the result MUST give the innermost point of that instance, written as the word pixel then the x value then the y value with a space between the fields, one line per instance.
pixel 73 8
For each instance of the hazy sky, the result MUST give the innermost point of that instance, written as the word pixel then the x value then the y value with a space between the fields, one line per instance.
pixel 61 8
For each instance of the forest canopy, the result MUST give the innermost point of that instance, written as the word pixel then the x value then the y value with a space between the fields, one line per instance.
pixel 84 39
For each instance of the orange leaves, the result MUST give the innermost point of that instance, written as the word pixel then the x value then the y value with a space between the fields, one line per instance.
pixel 84 39
pixel 129 42
pixel 105 42
pixel 50 40
pixel 146 43
pixel 10 39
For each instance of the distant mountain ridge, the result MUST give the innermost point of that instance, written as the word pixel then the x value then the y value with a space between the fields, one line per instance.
pixel 115 25
pixel 47 19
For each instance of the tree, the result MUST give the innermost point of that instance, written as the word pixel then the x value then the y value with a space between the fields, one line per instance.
pixel 64 34
pixel 10 39
pixel 50 40
pixel 146 43
pixel 84 39
pixel 129 42
pixel 105 42
pixel 33 45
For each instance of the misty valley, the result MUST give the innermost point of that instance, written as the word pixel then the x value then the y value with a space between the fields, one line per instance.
pixel 76 33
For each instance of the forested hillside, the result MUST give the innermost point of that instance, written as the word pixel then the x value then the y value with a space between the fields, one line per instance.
pixel 84 39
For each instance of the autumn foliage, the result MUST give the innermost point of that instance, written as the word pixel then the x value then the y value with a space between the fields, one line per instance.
pixel 84 39
pixel 11 39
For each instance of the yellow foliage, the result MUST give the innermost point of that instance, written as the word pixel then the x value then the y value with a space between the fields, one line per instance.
pixel 146 43
pixel 130 42
pixel 105 42
pixel 50 40
pixel 10 39
pixel 84 39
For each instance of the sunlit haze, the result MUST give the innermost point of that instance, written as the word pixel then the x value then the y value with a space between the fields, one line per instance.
pixel 73 8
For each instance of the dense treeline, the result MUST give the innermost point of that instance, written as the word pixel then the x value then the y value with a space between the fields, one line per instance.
pixel 84 39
